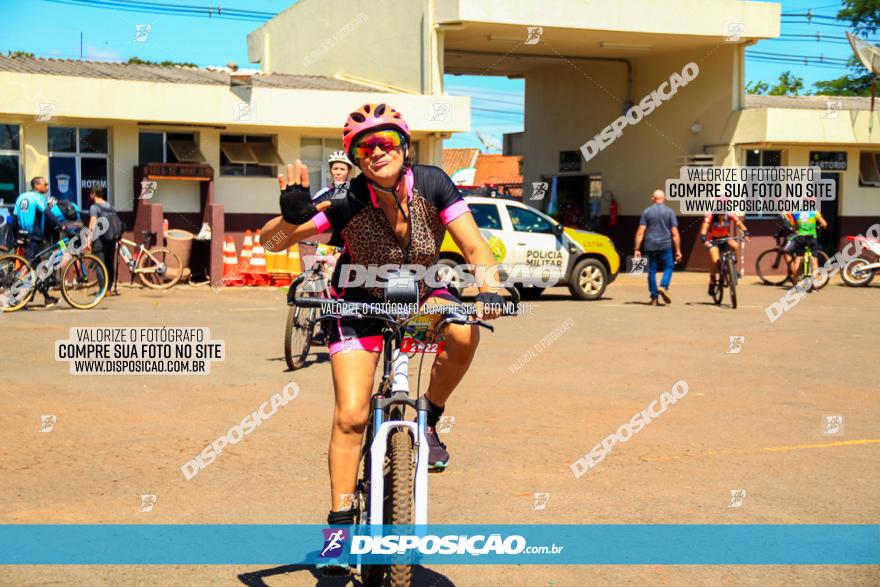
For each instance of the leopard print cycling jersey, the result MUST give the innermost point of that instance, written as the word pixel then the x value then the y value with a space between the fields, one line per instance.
pixel 369 239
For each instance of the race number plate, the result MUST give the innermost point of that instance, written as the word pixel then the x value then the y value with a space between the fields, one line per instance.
pixel 420 336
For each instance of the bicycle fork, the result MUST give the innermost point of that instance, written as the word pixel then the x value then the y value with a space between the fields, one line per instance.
pixel 378 447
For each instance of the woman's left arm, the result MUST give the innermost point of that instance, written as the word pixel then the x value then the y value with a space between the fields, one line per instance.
pixel 477 254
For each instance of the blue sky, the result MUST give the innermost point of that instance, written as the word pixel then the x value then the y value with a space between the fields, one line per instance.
pixel 52 29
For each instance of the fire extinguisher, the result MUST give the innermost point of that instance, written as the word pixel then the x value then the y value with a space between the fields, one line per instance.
pixel 612 212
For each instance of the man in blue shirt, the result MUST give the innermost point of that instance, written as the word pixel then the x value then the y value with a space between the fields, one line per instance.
pixel 29 214
pixel 658 229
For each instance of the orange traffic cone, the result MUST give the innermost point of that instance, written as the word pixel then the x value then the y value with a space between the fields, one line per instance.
pixel 277 265
pixel 247 249
pixel 256 273
pixel 231 271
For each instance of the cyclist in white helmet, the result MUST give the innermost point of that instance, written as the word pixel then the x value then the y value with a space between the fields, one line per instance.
pixel 340 168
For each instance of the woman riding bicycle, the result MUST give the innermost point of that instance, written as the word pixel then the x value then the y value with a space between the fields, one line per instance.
pixel 717 226
pixel 395 213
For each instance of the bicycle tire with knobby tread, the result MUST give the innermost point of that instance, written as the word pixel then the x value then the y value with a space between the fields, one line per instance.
pixel 175 262
pixel 719 287
pixel 66 295
pixel 29 294
pixel 296 321
pixel 731 276
pixel 401 495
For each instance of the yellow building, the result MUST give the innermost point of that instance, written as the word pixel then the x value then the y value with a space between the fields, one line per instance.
pixel 585 62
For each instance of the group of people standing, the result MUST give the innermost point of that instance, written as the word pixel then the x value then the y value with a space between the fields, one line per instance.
pixel 40 220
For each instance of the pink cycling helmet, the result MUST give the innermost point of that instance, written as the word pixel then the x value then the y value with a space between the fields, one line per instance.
pixel 371 117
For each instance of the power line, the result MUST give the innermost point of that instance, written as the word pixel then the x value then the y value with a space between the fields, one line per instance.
pixel 789 61
pixel 820 58
pixel 171 10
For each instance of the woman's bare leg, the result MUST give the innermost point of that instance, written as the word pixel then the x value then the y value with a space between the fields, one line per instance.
pixel 353 374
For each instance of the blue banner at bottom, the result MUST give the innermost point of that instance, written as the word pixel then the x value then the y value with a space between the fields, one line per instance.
pixel 252 544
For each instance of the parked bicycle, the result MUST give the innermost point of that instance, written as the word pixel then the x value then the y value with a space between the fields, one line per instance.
pixel 770 262
pixel 859 272
pixel 727 276
pixel 156 268
pixel 82 279
pixel 302 328
pixel 392 486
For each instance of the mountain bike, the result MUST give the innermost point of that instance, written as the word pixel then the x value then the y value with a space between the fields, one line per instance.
pixel 300 333
pixel 82 279
pixel 392 486
pixel 156 268
pixel 859 272
pixel 807 266
pixel 727 276
pixel 768 263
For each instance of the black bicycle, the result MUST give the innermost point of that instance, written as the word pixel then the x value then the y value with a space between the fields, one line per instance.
pixel 768 263
pixel 392 487
pixel 81 277
pixel 301 328
pixel 727 277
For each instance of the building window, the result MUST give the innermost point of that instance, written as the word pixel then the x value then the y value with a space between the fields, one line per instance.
pixel 168 147
pixel 869 169
pixel 78 163
pixel 248 156
pixel 10 164
pixel 762 158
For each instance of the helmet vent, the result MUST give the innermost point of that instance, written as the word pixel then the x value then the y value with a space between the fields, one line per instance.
pixel 358 117
pixel 380 109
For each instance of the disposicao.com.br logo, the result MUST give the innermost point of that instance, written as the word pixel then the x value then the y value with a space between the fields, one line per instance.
pixel 451 544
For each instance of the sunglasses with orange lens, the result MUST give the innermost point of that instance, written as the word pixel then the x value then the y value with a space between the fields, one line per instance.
pixel 386 140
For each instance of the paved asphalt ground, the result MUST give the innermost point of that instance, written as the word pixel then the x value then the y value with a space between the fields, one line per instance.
pixel 752 420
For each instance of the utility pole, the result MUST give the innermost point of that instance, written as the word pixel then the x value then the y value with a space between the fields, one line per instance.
pixel 80 45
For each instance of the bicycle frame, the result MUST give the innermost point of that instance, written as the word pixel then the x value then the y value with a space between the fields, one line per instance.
pixel 395 379
pixel 139 250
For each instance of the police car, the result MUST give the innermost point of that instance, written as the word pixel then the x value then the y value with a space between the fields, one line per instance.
pixel 537 251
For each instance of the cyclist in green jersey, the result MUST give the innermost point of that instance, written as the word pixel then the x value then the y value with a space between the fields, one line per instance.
pixel 805 236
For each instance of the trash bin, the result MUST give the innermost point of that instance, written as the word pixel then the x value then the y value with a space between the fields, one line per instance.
pixel 180 241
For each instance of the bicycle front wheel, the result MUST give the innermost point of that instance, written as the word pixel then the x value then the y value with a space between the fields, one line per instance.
pixel 17 280
pixel 401 461
pixel 731 278
pixel 159 268
pixel 719 287
pixel 84 282
pixel 298 335
pixel 771 267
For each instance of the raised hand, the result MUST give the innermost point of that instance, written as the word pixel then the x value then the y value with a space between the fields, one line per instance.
pixel 296 200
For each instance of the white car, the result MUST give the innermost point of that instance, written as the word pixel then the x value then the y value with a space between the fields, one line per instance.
pixel 538 250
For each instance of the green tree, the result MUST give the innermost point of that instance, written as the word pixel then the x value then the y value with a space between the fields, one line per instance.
pixel 166 63
pixel 864 16
pixel 759 88
pixel 15 54
pixel 788 85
